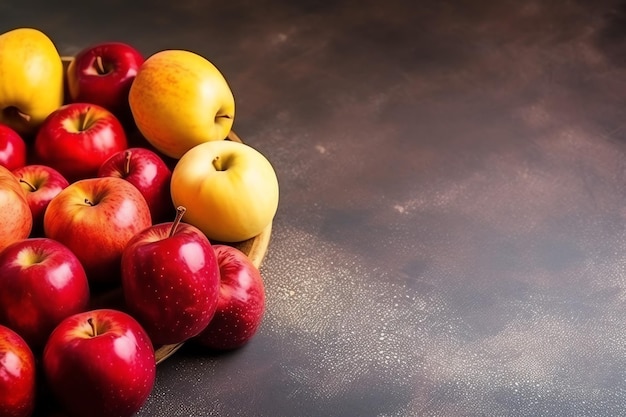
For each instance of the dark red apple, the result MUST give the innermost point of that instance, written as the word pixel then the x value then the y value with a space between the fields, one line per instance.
pixel 17 375
pixel 41 184
pixel 102 74
pixel 99 363
pixel 77 138
pixel 170 280
pixel 148 172
pixel 12 148
pixel 41 283
pixel 241 302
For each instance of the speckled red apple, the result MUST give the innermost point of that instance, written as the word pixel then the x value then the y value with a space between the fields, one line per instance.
pixel 241 302
pixel 170 280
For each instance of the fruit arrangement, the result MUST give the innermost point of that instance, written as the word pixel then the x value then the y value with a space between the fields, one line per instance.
pixel 133 220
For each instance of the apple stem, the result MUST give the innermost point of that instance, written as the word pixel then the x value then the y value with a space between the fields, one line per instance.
pixel 127 154
pixel 100 65
pixel 216 163
pixel 85 120
pixel 180 212
pixel 31 186
pixel 94 332
pixel 24 116
pixel 87 201
pixel 13 111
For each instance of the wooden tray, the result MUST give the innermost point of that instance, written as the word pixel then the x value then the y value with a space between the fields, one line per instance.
pixel 255 248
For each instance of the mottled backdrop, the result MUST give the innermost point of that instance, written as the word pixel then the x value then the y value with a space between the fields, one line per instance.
pixel 450 239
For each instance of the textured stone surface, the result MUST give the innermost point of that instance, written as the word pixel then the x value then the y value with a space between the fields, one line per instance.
pixel 450 239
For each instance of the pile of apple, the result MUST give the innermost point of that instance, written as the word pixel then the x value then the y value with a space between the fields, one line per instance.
pixel 117 172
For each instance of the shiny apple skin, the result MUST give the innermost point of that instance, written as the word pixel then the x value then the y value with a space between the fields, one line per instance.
pixel 108 88
pixel 77 138
pixel 229 181
pixel 12 148
pixel 41 184
pixel 17 375
pixel 170 283
pixel 109 374
pixel 241 302
pixel 16 221
pixel 149 173
pixel 95 218
pixel 41 283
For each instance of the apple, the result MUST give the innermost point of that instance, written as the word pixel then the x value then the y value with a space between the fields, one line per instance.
pixel 180 99
pixel 12 148
pixel 41 184
pixel 41 283
pixel 99 363
pixel 230 190
pixel 102 74
pixel 170 280
pixel 77 138
pixel 149 173
pixel 16 221
pixel 240 305
pixel 95 218
pixel 31 79
pixel 17 375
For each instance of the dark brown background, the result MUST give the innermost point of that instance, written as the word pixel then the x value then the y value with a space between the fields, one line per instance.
pixel 450 239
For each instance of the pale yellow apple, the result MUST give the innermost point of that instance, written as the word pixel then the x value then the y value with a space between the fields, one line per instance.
pixel 230 190
pixel 179 99
pixel 31 79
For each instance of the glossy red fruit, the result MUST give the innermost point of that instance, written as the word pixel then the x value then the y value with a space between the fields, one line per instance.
pixel 149 173
pixel 41 283
pixel 170 280
pixel 99 363
pixel 41 184
pixel 241 302
pixel 12 148
pixel 17 375
pixel 102 74
pixel 77 138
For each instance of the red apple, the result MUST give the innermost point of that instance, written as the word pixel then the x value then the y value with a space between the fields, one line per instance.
pixel 77 138
pixel 41 184
pixel 12 148
pixel 148 172
pixel 99 363
pixel 17 375
pixel 102 74
pixel 170 280
pixel 241 302
pixel 95 218
pixel 41 283
pixel 16 221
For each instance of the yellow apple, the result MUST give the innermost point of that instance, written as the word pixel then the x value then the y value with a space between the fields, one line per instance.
pixel 31 79
pixel 230 190
pixel 179 99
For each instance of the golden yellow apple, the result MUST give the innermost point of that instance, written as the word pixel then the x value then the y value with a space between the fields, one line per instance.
pixel 179 99
pixel 230 190
pixel 31 79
